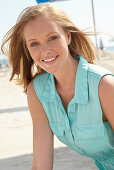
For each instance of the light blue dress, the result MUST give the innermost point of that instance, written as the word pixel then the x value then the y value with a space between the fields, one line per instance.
pixel 83 129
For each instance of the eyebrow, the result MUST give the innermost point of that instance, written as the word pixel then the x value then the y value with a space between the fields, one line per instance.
pixel 46 35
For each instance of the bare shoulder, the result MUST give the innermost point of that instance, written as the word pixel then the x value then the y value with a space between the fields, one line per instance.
pixel 31 95
pixel 106 96
pixel 35 106
pixel 33 102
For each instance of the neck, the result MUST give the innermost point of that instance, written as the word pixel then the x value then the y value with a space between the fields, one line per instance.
pixel 65 78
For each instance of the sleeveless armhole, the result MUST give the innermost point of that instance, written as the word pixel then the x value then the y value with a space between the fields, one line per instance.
pixel 96 74
pixel 39 83
pixel 98 99
pixel 35 85
pixel 109 136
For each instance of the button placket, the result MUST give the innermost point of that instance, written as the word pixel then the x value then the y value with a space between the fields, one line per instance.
pixel 70 111
pixel 68 132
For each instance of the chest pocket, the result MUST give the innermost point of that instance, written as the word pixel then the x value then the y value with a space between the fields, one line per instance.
pixel 90 131
pixel 91 138
pixel 59 131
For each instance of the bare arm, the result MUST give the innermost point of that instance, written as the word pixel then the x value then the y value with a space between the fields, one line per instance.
pixel 106 95
pixel 42 134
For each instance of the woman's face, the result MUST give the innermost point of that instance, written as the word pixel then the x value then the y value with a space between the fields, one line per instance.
pixel 47 44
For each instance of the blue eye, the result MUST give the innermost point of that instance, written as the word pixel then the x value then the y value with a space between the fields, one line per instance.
pixel 53 38
pixel 34 44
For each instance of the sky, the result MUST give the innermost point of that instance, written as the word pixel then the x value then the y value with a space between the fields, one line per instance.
pixel 80 12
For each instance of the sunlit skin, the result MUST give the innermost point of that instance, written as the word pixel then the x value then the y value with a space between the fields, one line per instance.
pixel 46 40
pixel 48 46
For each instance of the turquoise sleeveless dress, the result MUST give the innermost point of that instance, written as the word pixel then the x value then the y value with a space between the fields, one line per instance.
pixel 82 129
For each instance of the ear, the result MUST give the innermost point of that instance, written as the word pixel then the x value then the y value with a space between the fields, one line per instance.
pixel 68 37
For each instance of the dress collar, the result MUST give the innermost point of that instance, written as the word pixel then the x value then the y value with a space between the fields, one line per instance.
pixel 81 84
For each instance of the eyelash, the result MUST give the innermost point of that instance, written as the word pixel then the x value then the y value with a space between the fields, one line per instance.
pixel 32 44
pixel 51 38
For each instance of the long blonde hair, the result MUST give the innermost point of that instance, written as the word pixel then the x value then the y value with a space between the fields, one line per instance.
pixel 19 57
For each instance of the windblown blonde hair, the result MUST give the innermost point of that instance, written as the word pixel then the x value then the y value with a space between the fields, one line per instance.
pixel 19 57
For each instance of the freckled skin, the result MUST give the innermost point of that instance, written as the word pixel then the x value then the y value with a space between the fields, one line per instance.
pixel 45 39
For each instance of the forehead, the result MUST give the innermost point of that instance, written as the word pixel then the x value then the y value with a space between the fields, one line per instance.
pixel 41 26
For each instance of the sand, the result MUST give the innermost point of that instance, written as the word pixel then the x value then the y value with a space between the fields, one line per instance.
pixel 16 129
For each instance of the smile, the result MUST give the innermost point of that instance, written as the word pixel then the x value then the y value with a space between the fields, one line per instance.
pixel 50 60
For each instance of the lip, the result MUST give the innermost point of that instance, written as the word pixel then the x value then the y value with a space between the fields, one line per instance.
pixel 47 58
pixel 50 62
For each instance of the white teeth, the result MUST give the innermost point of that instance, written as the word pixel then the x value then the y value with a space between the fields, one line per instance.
pixel 50 59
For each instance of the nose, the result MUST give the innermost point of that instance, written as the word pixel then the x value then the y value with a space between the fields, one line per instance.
pixel 45 49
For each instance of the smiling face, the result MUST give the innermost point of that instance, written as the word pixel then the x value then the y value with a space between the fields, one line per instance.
pixel 47 44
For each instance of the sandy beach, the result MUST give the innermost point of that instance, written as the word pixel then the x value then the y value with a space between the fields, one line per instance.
pixel 16 129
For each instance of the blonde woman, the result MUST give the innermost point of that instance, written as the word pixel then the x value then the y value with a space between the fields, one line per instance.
pixel 68 95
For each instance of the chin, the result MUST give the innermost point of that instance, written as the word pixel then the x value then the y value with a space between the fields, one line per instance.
pixel 51 71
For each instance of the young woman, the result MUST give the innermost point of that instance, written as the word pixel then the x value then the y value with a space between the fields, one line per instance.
pixel 68 95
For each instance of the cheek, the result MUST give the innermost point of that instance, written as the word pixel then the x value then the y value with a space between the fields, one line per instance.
pixel 61 46
pixel 34 54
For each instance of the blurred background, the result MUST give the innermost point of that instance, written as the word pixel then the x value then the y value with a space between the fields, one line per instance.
pixel 80 12
pixel 15 121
